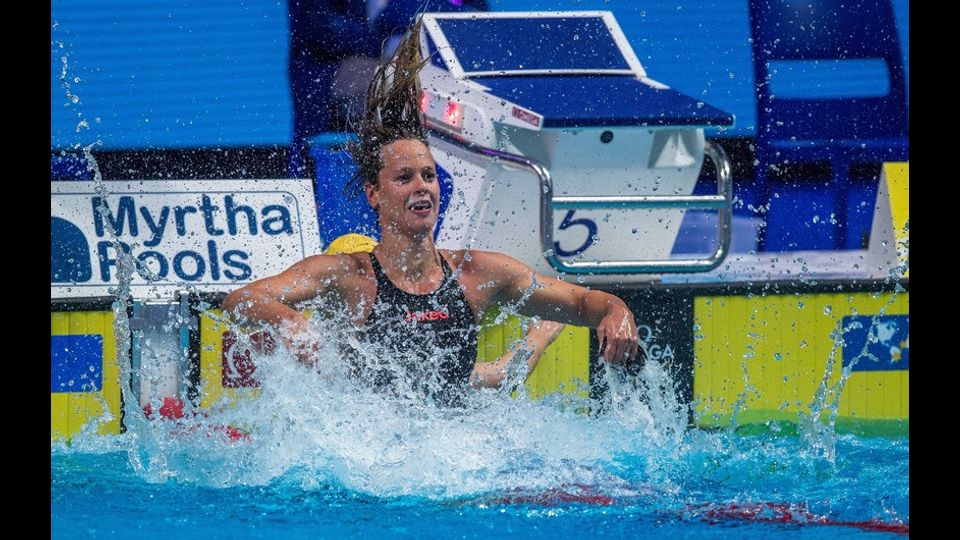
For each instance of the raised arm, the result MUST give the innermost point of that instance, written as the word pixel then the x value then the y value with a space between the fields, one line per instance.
pixel 537 295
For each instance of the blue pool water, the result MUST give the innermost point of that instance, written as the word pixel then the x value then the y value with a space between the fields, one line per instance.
pixel 708 489
pixel 326 458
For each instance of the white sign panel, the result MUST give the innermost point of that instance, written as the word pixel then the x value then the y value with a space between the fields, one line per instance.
pixel 209 235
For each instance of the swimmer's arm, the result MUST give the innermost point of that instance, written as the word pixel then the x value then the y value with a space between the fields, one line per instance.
pixel 270 300
pixel 552 299
pixel 539 337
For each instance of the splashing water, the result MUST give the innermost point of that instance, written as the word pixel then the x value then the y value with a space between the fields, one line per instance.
pixel 334 428
pixel 820 435
pixel 319 448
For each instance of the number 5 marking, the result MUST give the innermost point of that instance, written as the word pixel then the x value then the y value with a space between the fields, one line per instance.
pixel 569 222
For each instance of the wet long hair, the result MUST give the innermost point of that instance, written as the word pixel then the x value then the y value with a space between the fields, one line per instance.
pixel 392 112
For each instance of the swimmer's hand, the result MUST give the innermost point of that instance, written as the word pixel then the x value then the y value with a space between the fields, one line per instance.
pixel 302 342
pixel 617 334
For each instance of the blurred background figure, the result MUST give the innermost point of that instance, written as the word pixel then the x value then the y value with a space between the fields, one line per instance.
pixel 334 47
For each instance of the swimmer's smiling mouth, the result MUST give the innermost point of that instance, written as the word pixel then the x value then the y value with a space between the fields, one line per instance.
pixel 423 206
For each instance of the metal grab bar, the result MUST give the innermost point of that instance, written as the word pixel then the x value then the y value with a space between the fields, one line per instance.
pixel 716 202
pixel 548 203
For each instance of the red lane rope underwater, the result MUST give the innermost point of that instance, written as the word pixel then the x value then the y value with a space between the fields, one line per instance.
pixel 711 513
pixel 787 513
pixel 570 493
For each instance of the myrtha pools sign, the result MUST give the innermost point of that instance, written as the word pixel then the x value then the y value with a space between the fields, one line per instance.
pixel 210 235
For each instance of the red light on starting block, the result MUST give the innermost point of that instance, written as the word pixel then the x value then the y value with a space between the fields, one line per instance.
pixel 453 115
pixel 424 101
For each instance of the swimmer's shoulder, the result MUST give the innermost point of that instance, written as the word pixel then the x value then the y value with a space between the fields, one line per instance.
pixel 474 261
pixel 340 264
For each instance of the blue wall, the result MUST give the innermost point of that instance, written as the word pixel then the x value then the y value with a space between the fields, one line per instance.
pixel 168 74
pixel 212 74
pixel 702 48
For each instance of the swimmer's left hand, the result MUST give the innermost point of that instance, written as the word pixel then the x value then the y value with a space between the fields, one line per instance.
pixel 304 351
pixel 617 334
pixel 302 342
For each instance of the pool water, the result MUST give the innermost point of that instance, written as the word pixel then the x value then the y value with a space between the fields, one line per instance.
pixel 322 456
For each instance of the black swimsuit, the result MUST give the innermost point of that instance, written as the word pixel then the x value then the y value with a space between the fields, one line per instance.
pixel 419 344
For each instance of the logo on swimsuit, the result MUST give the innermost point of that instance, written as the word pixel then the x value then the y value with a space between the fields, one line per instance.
pixel 421 316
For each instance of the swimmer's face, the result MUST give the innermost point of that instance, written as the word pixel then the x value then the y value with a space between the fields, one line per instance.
pixel 407 193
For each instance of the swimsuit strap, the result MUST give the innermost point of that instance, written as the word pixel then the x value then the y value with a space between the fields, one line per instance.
pixel 383 279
